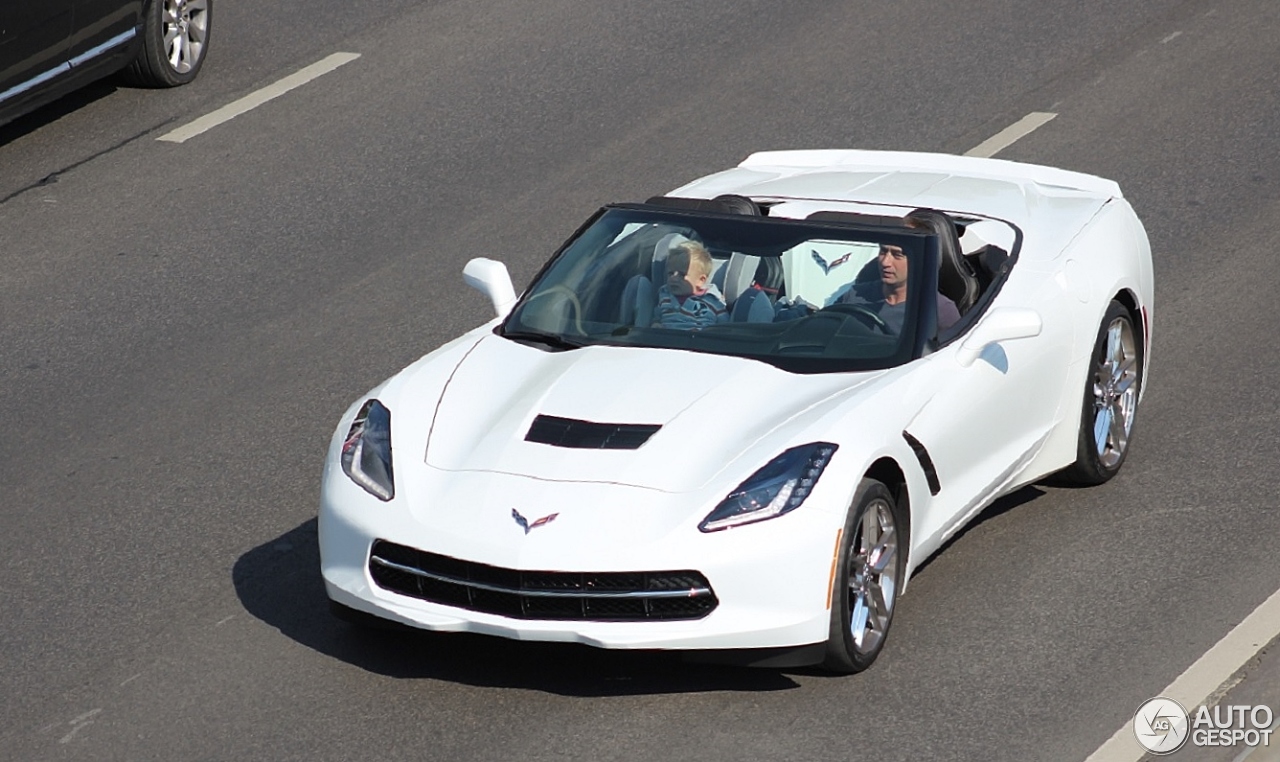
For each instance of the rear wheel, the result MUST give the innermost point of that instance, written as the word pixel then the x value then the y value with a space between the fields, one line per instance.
pixel 175 37
pixel 1110 400
pixel 871 570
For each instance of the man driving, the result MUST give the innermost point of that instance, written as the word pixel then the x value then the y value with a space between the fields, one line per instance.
pixel 888 297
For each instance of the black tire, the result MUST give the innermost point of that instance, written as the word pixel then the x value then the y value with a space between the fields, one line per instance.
pixel 168 64
pixel 1096 463
pixel 846 652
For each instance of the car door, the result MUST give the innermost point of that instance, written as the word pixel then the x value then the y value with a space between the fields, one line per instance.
pixel 33 40
pixel 983 422
pixel 103 25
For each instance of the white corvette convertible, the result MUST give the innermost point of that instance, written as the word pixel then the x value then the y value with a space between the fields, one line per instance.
pixel 732 420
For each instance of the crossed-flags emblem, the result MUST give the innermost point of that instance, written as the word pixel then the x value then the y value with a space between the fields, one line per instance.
pixel 833 264
pixel 529 527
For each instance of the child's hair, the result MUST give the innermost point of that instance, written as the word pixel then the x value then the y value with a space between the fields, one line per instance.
pixel 697 254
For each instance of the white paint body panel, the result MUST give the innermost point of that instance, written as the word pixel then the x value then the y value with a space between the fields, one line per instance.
pixel 459 417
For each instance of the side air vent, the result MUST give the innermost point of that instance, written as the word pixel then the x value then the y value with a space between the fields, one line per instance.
pixel 926 463
pixel 567 432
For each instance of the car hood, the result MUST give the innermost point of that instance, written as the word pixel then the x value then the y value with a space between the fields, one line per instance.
pixel 707 410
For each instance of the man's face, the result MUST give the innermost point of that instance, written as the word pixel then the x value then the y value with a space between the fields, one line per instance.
pixel 681 282
pixel 893 267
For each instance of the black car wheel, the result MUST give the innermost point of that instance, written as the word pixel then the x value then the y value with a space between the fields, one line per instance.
pixel 872 568
pixel 175 38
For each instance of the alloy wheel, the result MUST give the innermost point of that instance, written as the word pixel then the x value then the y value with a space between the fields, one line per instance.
pixel 186 27
pixel 873 577
pixel 1115 393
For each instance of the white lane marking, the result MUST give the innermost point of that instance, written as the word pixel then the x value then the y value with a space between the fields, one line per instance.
pixel 1259 751
pixel 258 97
pixel 129 680
pixel 224 620
pixel 1171 37
pixel 67 738
pixel 1011 134
pixel 79 723
pixel 1204 677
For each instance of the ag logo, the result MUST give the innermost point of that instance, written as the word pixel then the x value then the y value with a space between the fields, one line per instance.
pixel 1161 725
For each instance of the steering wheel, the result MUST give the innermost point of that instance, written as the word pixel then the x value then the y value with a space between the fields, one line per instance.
pixel 568 294
pixel 858 311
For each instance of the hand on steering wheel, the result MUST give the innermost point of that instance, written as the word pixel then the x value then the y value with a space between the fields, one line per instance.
pixel 859 311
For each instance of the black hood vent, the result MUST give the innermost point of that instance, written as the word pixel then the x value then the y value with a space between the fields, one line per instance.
pixel 567 432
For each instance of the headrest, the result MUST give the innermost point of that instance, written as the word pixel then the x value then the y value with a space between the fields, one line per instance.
pixel 733 204
pixel 724 204
pixel 738 275
pixel 983 232
pixel 939 223
pixel 660 251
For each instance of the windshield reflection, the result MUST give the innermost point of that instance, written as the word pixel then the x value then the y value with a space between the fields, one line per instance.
pixel 804 296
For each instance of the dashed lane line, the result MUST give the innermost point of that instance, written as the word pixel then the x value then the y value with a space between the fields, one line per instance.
pixel 258 97
pixel 1011 134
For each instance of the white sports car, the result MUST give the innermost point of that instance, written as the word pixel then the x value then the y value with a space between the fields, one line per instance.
pixel 732 420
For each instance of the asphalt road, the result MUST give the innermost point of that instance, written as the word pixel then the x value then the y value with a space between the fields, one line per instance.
pixel 181 326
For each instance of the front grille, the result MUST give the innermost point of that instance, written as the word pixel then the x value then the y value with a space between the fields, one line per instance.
pixel 593 596
pixel 568 432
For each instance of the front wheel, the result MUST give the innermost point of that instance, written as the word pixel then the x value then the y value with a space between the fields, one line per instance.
pixel 175 38
pixel 872 568
pixel 1110 400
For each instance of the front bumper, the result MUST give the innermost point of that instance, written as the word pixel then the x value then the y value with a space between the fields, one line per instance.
pixel 771 580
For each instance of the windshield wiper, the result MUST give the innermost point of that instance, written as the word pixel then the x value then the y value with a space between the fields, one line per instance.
pixel 552 340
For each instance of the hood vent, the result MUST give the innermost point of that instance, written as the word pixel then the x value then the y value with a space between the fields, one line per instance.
pixel 567 432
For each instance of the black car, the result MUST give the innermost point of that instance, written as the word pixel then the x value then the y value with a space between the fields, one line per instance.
pixel 51 47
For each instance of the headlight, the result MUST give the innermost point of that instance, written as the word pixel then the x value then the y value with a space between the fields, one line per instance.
pixel 778 488
pixel 366 452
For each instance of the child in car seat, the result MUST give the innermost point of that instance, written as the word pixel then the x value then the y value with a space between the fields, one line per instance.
pixel 687 299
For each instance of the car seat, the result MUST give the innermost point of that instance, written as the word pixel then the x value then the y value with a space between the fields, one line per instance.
pixel 956 278
pixel 752 306
pixel 758 302
pixel 746 298
pixel 640 295
pixel 989 260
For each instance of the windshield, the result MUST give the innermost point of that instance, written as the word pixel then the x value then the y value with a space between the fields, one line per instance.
pixel 808 297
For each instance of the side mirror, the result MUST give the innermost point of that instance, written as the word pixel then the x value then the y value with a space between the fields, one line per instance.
pixel 491 278
pixel 1001 324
